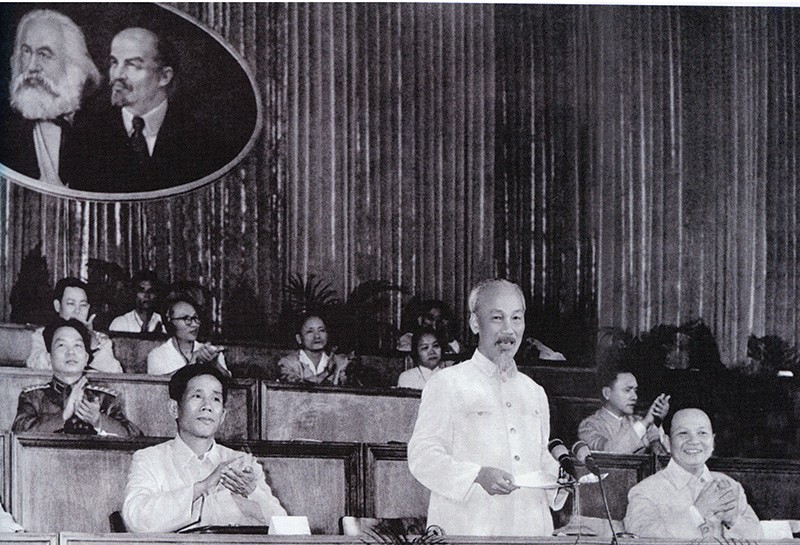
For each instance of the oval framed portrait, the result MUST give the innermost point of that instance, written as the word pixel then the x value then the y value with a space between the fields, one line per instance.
pixel 120 102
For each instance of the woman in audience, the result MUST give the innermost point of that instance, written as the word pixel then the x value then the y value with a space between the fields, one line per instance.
pixel 426 352
pixel 313 363
pixel 433 314
pixel 182 348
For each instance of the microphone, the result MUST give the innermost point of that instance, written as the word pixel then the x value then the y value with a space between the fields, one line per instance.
pixel 581 451
pixel 560 452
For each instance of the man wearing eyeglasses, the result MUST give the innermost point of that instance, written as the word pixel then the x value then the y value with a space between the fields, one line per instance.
pixel 183 348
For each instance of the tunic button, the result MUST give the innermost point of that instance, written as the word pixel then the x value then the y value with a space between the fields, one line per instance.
pixel 516 458
pixel 508 403
pixel 503 379
pixel 513 430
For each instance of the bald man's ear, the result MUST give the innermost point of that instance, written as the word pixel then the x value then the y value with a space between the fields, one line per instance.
pixel 173 409
pixel 166 76
pixel 473 322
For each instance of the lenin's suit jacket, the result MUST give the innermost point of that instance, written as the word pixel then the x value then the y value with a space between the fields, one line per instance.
pixel 183 152
pixel 18 152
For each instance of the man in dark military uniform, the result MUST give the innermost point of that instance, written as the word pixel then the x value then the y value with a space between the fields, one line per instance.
pixel 68 403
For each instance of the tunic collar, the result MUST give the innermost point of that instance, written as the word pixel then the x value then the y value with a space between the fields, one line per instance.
pixel 487 366
pixel 680 478
pixel 611 417
pixel 186 455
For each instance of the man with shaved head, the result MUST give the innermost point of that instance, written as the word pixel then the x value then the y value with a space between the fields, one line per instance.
pixel 51 71
pixel 480 425
pixel 145 139
pixel 685 500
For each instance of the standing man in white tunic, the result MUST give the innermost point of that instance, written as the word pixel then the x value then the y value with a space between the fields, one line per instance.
pixel 480 424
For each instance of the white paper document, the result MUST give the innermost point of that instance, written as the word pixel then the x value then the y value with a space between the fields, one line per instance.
pixel 536 479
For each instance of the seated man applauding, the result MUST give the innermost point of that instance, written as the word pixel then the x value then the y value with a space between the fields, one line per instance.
pixel 192 480
pixel 69 403
pixel 615 428
pixel 686 500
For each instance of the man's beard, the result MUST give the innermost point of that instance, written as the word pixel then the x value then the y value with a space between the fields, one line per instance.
pixel 38 97
pixel 505 360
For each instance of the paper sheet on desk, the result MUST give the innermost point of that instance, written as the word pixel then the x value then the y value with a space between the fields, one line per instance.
pixel 591 478
pixel 536 479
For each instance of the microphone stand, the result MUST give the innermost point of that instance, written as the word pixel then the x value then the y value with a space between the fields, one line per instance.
pixel 575 527
pixel 608 512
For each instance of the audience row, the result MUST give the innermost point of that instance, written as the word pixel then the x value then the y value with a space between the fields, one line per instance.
pixel 478 410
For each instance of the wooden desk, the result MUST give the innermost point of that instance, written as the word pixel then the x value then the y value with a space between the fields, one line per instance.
pixel 327 413
pixel 146 400
pixel 179 539
pixel 772 486
pixel 15 344
pixel 624 471
pixel 390 490
pixel 61 483
pixel 70 538
pixel 29 539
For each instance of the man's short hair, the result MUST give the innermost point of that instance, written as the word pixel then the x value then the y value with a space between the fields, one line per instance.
pixel 75 324
pixel 301 319
pixel 171 302
pixel 429 304
pixel 69 282
pixel 475 294
pixel 76 52
pixel 182 298
pixel 607 377
pixel 145 275
pixel 180 380
pixel 667 424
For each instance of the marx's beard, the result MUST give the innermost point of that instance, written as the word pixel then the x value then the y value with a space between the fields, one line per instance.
pixel 38 97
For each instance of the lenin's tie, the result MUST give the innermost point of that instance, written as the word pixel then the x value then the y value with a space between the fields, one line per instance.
pixel 138 143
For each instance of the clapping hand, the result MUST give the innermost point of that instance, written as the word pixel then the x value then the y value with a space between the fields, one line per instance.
pixel 241 476
pixel 88 409
pixel 205 354
pixel 340 364
pixel 717 498
pixel 74 398
pixel 658 410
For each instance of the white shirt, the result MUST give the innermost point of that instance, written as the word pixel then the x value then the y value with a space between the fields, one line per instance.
pixel 416 377
pixel 158 495
pixel 319 368
pixel 47 141
pixel 474 415
pixel 103 359
pixel 152 123
pixel 131 323
pixel 662 506
pixel 166 359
